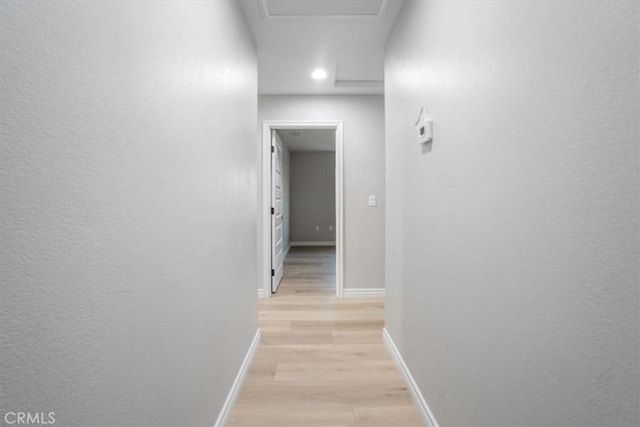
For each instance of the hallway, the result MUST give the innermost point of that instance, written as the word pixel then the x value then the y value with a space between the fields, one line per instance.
pixel 321 360
pixel 485 158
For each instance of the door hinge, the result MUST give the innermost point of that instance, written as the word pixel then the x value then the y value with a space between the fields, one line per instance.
pixel 272 211
pixel 273 272
pixel 273 149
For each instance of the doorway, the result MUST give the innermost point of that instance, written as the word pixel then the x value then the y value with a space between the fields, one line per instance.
pixel 273 219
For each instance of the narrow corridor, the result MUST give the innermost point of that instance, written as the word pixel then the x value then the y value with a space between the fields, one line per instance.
pixel 321 360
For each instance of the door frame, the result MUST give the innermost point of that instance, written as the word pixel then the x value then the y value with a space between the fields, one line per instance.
pixel 267 127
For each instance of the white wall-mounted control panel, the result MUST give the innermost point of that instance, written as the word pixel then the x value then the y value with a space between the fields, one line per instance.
pixel 424 126
pixel 372 201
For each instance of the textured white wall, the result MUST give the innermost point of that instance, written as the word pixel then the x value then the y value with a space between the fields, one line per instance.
pixel 513 244
pixel 128 215
pixel 313 196
pixel 363 118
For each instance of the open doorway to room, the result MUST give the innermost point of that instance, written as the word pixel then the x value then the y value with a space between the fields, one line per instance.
pixel 309 210
pixel 302 191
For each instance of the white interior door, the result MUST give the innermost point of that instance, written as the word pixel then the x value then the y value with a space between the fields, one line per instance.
pixel 277 232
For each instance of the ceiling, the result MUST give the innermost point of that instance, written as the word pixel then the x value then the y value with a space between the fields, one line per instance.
pixel 309 139
pixel 346 37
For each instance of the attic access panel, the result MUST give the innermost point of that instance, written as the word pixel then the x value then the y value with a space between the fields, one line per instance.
pixel 324 7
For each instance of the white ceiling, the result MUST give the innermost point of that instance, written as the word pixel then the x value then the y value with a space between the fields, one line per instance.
pixel 346 37
pixel 309 139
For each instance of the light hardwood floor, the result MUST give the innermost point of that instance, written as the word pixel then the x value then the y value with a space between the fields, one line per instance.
pixel 321 360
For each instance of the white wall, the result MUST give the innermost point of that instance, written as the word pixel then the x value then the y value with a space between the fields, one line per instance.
pixel 363 118
pixel 513 244
pixel 313 196
pixel 128 216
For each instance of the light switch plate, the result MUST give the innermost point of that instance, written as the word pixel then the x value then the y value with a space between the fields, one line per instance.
pixel 372 201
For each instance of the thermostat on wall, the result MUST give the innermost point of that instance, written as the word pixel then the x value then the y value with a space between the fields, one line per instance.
pixel 424 126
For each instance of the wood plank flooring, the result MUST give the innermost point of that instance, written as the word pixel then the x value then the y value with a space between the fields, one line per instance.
pixel 321 360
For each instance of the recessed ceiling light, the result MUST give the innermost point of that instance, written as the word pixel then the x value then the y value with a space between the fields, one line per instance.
pixel 319 74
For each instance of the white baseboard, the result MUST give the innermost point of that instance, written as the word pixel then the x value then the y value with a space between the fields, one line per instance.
pixel 223 416
pixel 418 398
pixel 312 244
pixel 363 293
pixel 286 251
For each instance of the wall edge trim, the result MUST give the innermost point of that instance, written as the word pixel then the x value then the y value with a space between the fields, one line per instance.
pixel 363 293
pixel 225 411
pixel 416 394
pixel 312 244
